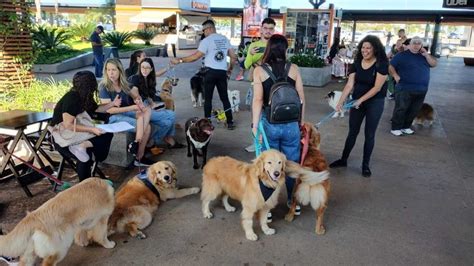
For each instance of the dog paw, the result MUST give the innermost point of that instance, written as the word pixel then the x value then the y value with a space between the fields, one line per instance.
pixel 109 244
pixel 195 190
pixel 251 236
pixel 230 208
pixel 289 217
pixel 321 230
pixel 140 235
pixel 208 215
pixel 269 231
pixel 196 166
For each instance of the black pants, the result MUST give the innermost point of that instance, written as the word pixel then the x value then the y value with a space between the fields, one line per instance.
pixel 100 150
pixel 372 112
pixel 216 78
pixel 407 106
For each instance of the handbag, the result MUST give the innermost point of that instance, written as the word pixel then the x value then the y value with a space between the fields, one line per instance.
pixel 65 137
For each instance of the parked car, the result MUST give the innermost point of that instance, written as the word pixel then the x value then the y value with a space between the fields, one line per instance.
pixel 454 35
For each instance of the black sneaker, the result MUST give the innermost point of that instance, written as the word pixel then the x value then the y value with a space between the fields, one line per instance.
pixel 366 171
pixel 143 162
pixel 231 126
pixel 338 163
pixel 133 147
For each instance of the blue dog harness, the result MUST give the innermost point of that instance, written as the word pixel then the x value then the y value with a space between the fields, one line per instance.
pixel 144 178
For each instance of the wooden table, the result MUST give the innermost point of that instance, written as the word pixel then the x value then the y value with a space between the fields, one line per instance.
pixel 18 120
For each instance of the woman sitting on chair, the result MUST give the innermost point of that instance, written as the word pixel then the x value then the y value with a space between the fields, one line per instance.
pixel 79 99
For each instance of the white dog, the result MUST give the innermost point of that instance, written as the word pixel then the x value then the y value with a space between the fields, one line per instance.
pixel 333 98
pixel 234 99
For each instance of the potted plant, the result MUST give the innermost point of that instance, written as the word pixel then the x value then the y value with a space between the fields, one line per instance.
pixel 313 69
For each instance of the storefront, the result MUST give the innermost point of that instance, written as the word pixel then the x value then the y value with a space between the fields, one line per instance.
pixel 177 22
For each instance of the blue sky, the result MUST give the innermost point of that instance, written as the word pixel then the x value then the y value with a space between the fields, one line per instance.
pixel 345 4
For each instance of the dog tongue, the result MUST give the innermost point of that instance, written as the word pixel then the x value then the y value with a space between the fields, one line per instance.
pixel 208 132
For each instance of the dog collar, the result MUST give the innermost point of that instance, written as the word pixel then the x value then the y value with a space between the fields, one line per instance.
pixel 197 145
pixel 144 178
pixel 266 191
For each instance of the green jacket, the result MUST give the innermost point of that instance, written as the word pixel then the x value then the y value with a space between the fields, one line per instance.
pixel 252 59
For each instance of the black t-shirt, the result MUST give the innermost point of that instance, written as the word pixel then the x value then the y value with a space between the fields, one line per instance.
pixel 145 93
pixel 365 79
pixel 131 71
pixel 68 104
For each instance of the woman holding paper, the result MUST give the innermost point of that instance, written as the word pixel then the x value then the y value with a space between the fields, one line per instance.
pixel 79 99
pixel 114 87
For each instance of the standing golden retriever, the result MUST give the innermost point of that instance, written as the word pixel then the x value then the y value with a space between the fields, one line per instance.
pixel 243 181
pixel 312 191
pixel 135 202
pixel 48 232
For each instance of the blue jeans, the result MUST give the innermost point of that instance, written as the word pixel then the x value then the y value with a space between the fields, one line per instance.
pixel 286 139
pixel 163 122
pixel 99 64
pixel 129 117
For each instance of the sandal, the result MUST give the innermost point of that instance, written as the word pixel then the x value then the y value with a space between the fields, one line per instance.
pixel 156 150
pixel 176 145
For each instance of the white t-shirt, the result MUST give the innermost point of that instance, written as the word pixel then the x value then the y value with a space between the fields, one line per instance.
pixel 215 47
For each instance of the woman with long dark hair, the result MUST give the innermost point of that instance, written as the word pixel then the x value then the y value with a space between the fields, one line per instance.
pixel 284 137
pixel 144 84
pixel 367 83
pixel 81 98
pixel 135 59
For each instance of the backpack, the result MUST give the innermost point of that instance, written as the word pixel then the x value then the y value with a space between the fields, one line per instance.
pixel 284 103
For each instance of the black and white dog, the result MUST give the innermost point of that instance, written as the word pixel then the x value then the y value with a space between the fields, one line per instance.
pixel 198 134
pixel 197 87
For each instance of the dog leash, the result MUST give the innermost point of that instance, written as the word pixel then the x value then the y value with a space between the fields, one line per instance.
pixel 230 108
pixel 348 105
pixel 256 139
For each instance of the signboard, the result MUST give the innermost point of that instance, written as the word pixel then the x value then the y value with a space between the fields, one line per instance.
pixel 255 11
pixel 458 3
pixel 195 5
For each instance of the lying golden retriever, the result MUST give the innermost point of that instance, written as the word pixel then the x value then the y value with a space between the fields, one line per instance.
pixel 243 181
pixel 48 232
pixel 166 94
pixel 136 201
pixel 308 190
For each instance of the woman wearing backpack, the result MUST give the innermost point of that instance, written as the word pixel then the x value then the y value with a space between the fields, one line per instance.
pixel 367 83
pixel 282 136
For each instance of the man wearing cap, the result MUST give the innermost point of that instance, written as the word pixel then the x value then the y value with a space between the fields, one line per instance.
pixel 98 50
pixel 411 72
pixel 215 48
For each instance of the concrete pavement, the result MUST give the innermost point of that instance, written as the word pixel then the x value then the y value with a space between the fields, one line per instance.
pixel 416 209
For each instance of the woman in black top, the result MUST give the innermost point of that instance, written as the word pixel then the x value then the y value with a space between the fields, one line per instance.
pixel 367 81
pixel 79 99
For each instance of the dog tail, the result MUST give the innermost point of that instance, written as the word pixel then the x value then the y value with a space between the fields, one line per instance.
pixel 295 170
pixel 15 243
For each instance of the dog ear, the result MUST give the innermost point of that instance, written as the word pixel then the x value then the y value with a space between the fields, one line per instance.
pixel 173 168
pixel 259 163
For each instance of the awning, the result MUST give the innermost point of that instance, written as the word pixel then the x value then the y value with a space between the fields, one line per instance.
pixel 155 16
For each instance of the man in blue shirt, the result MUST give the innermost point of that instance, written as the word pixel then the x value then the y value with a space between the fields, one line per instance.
pixel 411 71
pixel 98 50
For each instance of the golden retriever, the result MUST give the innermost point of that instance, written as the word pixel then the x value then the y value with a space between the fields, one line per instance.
pixel 135 203
pixel 239 180
pixel 308 190
pixel 166 94
pixel 76 213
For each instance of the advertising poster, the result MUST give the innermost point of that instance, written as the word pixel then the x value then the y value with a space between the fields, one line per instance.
pixel 254 12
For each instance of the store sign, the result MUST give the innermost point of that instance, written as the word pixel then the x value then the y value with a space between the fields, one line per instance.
pixel 458 3
pixel 196 5
pixel 255 11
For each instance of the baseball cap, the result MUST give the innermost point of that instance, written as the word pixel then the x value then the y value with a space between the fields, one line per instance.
pixel 100 28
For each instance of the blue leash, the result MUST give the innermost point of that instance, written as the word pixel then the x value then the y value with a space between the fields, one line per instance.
pixel 258 146
pixel 230 108
pixel 348 105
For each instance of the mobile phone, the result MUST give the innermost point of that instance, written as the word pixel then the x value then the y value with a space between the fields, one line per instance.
pixel 261 49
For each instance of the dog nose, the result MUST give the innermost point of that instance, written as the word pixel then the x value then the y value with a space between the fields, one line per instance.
pixel 276 174
pixel 167 178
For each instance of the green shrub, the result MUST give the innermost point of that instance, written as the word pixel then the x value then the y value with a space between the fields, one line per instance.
pixel 132 47
pixel 83 31
pixel 33 96
pixel 53 56
pixel 307 60
pixel 145 35
pixel 49 38
pixel 117 39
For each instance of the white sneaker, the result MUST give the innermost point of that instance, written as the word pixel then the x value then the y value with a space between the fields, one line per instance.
pixel 408 131
pixel 250 148
pixel 80 153
pixel 297 208
pixel 396 132
pixel 10 261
